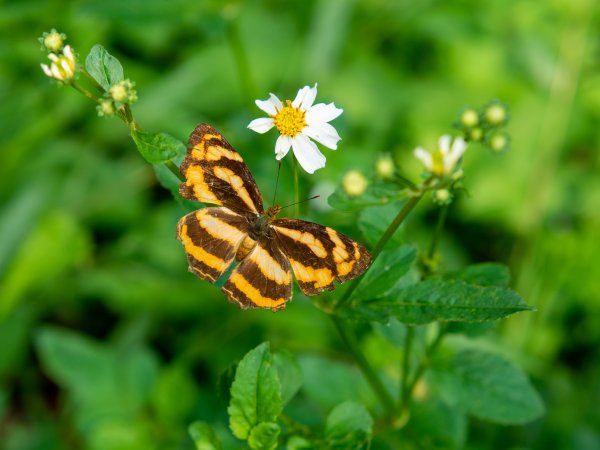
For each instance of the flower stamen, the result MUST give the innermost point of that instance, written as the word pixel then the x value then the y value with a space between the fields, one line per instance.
pixel 289 121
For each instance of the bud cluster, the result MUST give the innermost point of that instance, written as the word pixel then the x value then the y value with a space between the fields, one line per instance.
pixel 119 94
pixel 486 125
pixel 63 66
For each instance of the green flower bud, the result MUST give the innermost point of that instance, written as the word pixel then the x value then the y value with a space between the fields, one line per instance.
pixel 53 41
pixel 442 196
pixel 385 167
pixel 123 91
pixel 106 108
pixel 496 114
pixel 354 183
pixel 469 118
pixel 498 142
pixel 475 134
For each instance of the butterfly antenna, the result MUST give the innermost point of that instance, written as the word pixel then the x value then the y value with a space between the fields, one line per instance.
pixel 301 201
pixel 276 182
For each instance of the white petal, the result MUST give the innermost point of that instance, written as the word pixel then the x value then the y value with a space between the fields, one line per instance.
pixel 52 57
pixel 322 113
pixel 271 105
pixel 55 72
pixel 68 52
pixel 67 69
pixel 444 144
pixel 305 97
pixel 458 148
pixel 261 125
pixel 451 159
pixel 282 146
pixel 46 70
pixel 307 153
pixel 425 157
pixel 323 133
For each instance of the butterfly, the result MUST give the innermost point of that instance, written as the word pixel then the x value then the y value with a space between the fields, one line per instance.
pixel 267 249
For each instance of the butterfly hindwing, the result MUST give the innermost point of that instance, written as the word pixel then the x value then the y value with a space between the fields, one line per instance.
pixel 263 279
pixel 215 173
pixel 319 255
pixel 211 238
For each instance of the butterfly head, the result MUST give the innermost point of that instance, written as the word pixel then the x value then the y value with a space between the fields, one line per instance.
pixel 272 212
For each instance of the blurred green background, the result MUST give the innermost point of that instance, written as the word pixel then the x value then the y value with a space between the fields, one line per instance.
pixel 107 342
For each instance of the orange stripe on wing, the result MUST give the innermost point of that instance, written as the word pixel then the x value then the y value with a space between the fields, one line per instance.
pixel 250 294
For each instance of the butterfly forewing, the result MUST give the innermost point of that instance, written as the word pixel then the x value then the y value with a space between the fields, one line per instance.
pixel 211 238
pixel 215 173
pixel 319 255
pixel 263 279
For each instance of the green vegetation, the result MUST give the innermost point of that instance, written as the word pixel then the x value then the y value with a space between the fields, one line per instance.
pixel 477 325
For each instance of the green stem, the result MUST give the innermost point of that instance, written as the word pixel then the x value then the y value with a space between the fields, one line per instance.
pixel 296 190
pixel 438 232
pixel 92 80
pixel 408 340
pixel 350 341
pixel 174 169
pixel 391 229
pixel 241 59
pixel 85 92
pixel 425 361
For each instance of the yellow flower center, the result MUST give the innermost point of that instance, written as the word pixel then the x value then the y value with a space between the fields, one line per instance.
pixel 289 120
pixel 438 163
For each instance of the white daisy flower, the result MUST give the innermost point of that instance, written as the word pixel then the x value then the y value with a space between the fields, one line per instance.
pixel 299 123
pixel 443 161
pixel 63 67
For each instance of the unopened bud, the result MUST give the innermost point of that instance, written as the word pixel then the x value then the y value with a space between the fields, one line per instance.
pixel 498 142
pixel 442 196
pixel 53 41
pixel 496 114
pixel 475 134
pixel 469 118
pixel 106 107
pixel 385 167
pixel 123 91
pixel 354 183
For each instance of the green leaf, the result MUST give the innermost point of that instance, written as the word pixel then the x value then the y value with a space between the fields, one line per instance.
pixel 373 222
pixel 103 67
pixel 174 382
pixel 436 425
pixel 349 425
pixel 264 436
pixel 483 274
pixel 439 300
pixel 55 244
pixel 489 387
pixel 377 194
pixel 75 361
pixel 387 272
pixel 289 374
pixel 255 392
pixel 204 436
pixel 157 148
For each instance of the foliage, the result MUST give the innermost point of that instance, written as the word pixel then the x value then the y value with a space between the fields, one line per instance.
pixel 108 342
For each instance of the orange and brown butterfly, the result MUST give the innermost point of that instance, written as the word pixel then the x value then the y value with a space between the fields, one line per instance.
pixel 268 249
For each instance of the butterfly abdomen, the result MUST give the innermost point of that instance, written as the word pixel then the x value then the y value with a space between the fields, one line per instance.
pixel 246 247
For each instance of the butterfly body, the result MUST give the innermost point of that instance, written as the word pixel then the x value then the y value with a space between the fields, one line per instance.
pixel 268 249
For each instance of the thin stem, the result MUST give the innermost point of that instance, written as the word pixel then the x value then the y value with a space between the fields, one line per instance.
pixel 241 59
pixel 391 229
pixel 350 341
pixel 296 190
pixel 84 91
pixel 174 169
pixel 408 340
pixel 438 232
pixel 425 361
pixel 92 80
